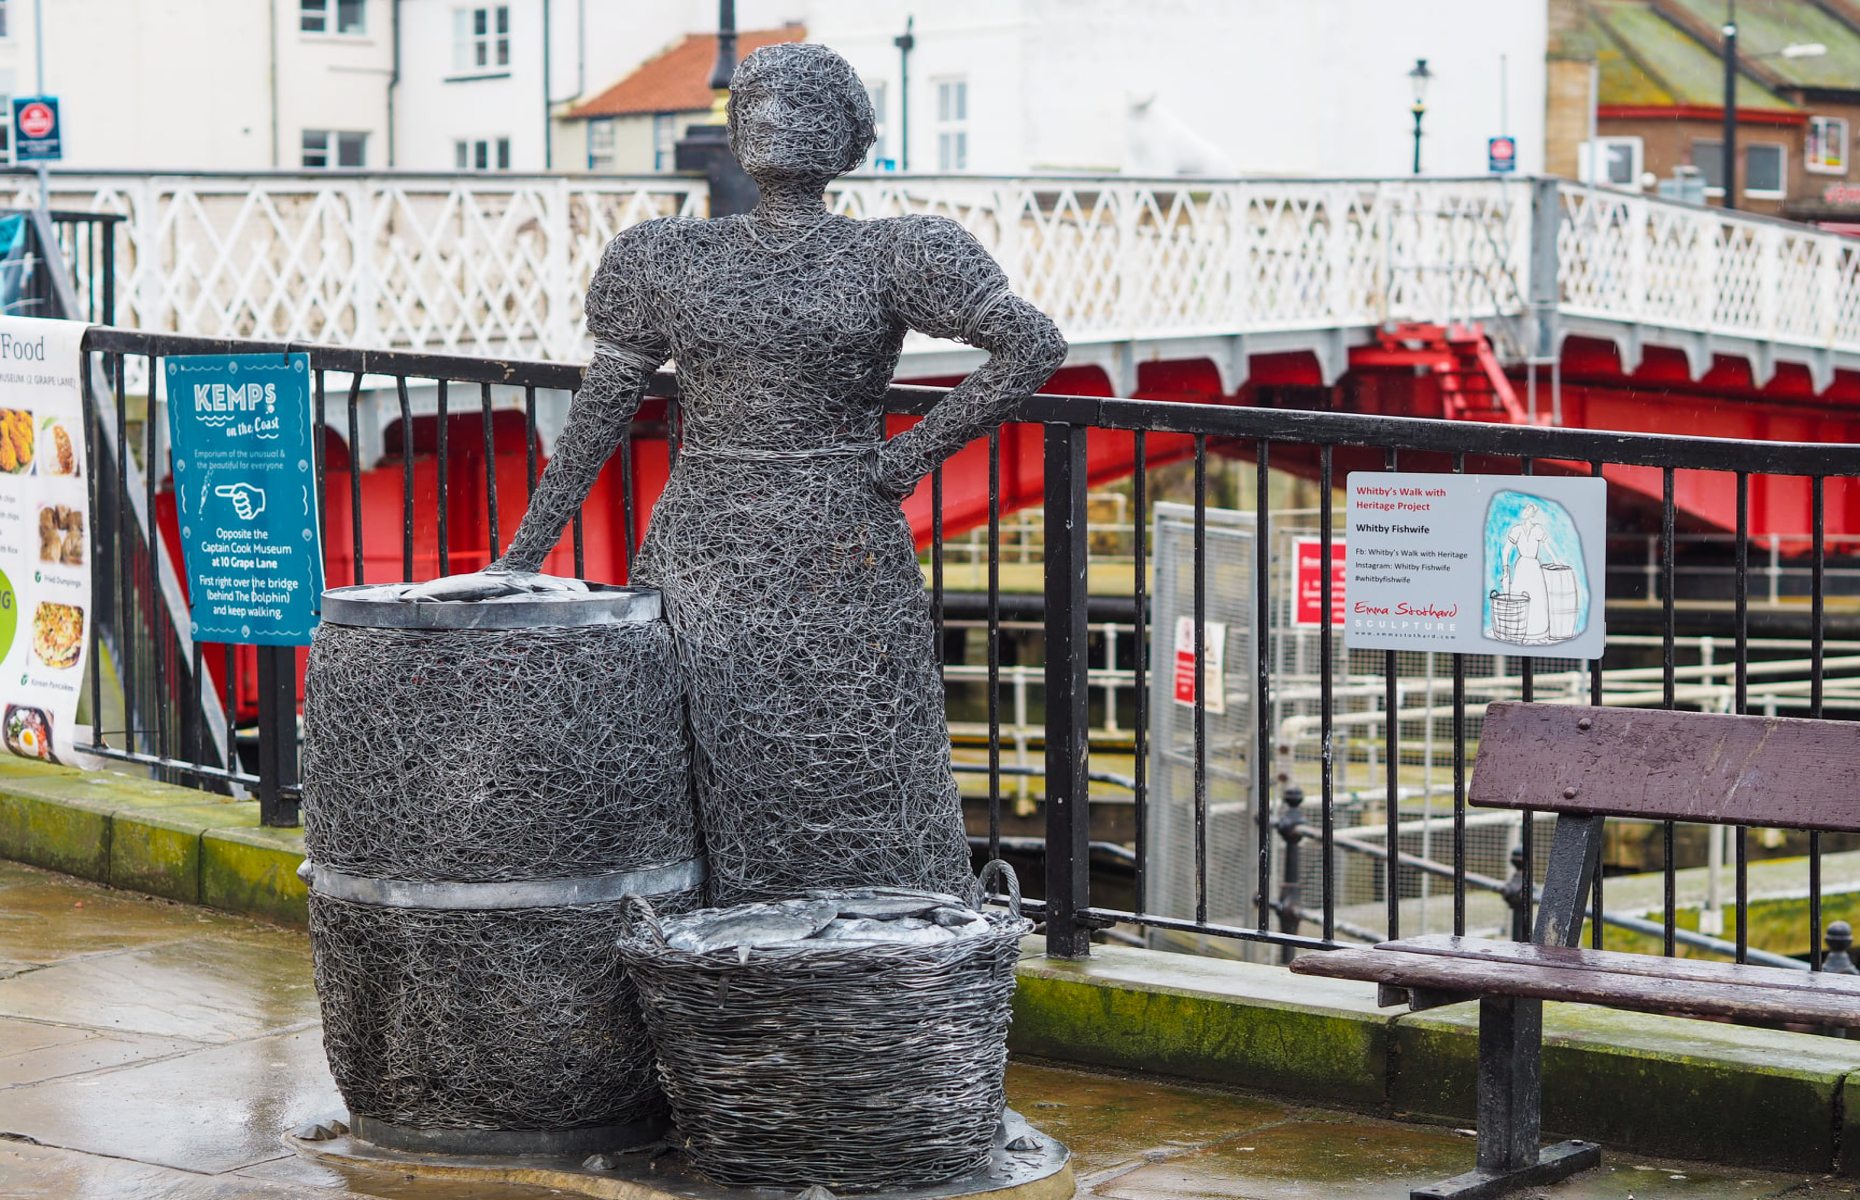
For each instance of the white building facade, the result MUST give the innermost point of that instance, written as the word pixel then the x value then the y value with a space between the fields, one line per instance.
pixel 1222 87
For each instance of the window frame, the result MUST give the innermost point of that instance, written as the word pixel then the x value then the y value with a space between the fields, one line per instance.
pixel 488 154
pixel 952 123
pixel 1637 160
pixel 1782 171
pixel 5 34
pixel 602 160
pixel 1815 142
pixel 479 53
pixel 329 17
pixel 1712 190
pixel 330 144
pixel 664 141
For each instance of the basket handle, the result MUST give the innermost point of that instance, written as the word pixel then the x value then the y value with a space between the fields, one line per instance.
pixel 996 867
pixel 639 910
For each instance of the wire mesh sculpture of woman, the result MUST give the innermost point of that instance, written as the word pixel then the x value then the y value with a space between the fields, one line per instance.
pixel 788 569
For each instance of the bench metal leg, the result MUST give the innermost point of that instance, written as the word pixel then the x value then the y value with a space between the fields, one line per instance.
pixel 1511 1110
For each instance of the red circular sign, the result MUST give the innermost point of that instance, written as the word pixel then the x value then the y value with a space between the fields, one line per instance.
pixel 1503 148
pixel 36 119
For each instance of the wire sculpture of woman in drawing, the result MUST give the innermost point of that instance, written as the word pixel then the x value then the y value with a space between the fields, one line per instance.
pixel 788 570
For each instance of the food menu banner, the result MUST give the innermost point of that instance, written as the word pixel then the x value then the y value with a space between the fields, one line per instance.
pixel 45 547
pixel 1481 564
pixel 247 495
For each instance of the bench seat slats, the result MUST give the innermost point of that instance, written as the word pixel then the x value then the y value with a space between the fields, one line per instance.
pixel 1615 962
pixel 1789 772
pixel 1536 981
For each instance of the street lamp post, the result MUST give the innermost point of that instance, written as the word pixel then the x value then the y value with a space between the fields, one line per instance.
pixel 1419 78
pixel 705 147
pixel 1729 170
pixel 905 42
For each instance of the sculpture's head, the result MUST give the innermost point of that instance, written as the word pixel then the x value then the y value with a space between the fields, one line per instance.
pixel 798 114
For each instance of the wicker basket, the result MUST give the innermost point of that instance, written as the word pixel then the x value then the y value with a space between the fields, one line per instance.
pixel 856 1066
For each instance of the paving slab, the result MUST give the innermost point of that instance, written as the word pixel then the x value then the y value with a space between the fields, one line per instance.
pixel 33 1051
pixel 1108 1120
pixel 201 990
pixel 211 1111
pixel 176 1120
pixel 46 1173
pixel 44 920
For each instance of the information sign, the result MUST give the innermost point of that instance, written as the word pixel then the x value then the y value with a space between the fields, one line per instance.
pixel 1484 564
pixel 247 495
pixel 45 537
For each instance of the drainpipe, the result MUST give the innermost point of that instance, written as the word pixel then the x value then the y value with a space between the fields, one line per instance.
pixel 393 79
pixel 548 120
pixel 581 47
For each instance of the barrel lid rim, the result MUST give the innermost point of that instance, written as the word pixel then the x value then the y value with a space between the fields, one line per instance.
pixel 382 606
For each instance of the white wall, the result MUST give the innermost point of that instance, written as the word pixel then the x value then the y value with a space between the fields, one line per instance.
pixel 1283 87
pixel 334 81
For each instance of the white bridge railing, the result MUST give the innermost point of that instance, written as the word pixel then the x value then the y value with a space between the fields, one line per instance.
pixel 498 264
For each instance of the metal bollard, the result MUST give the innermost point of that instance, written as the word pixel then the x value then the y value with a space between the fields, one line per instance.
pixel 1840 939
pixel 1290 819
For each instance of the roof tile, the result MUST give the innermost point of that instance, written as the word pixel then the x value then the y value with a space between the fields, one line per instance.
pixel 678 79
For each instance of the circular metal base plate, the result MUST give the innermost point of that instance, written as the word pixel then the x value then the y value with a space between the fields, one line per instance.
pixel 594 1139
pixel 1038 1168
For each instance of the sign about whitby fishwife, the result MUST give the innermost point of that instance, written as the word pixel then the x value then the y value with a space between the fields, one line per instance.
pixel 1478 564
pixel 248 500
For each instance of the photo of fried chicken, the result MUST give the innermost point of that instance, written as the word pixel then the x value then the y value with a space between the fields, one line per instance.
pixel 15 441
pixel 57 452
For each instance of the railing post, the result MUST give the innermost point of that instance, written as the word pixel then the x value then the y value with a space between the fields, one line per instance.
pixel 1289 824
pixel 1068 697
pixel 277 734
pixel 1544 288
pixel 1515 899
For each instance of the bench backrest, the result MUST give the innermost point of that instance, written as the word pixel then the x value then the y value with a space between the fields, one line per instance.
pixel 1686 766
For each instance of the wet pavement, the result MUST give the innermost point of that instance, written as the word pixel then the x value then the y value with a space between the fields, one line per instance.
pixel 157 1051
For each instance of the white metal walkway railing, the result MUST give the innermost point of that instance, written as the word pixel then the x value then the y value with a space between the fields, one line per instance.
pixel 1132 269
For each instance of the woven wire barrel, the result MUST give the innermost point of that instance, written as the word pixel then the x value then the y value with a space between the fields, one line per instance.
pixel 853 1066
pixel 1560 600
pixel 484 781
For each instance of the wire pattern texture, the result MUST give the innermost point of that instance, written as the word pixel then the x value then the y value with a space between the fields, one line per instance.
pixel 851 1066
pixel 489 760
pixel 789 572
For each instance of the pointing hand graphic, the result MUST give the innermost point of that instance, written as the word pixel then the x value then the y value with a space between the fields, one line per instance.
pixel 247 500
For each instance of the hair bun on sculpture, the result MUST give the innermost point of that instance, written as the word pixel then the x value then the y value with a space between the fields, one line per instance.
pixel 824 109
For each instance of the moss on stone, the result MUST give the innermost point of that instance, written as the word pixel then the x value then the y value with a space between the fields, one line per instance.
pixel 157 850
pixel 1216 1022
pixel 1658 1085
pixel 254 871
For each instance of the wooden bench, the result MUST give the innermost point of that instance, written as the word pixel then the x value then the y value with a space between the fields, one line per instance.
pixel 1585 764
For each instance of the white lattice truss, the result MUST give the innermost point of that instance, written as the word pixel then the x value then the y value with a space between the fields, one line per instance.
pixel 498 264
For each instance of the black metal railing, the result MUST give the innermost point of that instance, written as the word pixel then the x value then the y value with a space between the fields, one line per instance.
pixel 225 717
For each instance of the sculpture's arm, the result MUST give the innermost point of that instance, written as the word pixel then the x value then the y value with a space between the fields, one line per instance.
pixel 609 396
pixel 1024 349
pixel 946 285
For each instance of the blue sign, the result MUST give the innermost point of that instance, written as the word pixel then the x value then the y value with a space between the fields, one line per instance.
pixel 37 134
pixel 1501 155
pixel 247 495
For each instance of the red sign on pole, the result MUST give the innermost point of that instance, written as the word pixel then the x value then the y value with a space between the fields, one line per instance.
pixel 36 119
pixel 1308 581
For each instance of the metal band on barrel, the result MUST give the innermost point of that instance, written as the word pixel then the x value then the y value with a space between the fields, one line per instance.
pixel 522 893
